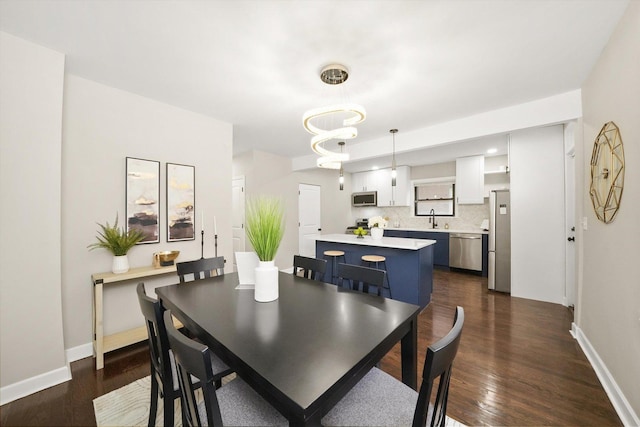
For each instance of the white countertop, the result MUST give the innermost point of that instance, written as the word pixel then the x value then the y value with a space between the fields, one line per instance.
pixel 385 242
pixel 441 230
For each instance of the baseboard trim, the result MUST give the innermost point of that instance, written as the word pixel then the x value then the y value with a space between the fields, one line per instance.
pixel 34 384
pixel 618 400
pixel 79 352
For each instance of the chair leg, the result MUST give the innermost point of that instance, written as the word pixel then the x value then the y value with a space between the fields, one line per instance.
pixel 154 401
pixel 388 282
pixel 168 410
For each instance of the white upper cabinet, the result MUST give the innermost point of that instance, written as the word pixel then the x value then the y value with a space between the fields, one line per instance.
pixel 382 184
pixel 360 182
pixel 402 190
pixel 380 181
pixel 470 180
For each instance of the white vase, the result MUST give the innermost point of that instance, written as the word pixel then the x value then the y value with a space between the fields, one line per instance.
pixel 377 233
pixel 120 264
pixel 266 287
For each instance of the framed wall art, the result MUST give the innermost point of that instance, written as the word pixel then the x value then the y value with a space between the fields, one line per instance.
pixel 142 198
pixel 180 202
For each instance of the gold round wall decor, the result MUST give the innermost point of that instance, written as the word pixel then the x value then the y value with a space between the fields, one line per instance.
pixel 607 173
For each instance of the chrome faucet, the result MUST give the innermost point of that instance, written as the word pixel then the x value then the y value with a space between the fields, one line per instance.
pixel 432 220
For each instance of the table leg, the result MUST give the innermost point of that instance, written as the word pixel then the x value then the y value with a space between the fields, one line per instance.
pixel 98 331
pixel 409 354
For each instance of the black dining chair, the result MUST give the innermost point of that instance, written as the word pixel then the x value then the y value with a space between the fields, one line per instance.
pixel 311 268
pixel 200 268
pixel 163 374
pixel 359 278
pixel 234 404
pixel 381 400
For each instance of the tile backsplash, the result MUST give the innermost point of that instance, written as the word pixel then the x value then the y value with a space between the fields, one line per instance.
pixel 468 217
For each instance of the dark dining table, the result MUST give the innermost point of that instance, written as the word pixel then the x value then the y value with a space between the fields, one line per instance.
pixel 304 351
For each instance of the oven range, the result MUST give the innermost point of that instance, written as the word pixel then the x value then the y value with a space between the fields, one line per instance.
pixel 360 222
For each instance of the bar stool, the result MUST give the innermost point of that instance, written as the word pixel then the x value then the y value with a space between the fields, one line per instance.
pixel 334 255
pixel 378 261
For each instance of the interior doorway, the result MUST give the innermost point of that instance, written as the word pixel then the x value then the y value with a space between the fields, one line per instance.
pixel 309 221
pixel 237 217
pixel 570 229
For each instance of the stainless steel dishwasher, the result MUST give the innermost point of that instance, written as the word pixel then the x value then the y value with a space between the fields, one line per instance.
pixel 465 251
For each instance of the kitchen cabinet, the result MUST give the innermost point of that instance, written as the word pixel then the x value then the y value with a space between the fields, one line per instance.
pixel 441 250
pixel 380 181
pixel 362 181
pixel 470 180
pixel 396 233
pixel 401 193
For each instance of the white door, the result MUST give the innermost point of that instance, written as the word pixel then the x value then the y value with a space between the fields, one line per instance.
pixel 237 217
pixel 308 219
pixel 570 224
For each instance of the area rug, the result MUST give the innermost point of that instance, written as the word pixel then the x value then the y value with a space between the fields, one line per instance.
pixel 129 406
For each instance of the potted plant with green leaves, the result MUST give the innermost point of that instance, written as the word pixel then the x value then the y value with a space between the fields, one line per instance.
pixel 118 241
pixel 265 229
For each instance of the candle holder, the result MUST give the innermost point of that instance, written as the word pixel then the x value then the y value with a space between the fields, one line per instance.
pixel 215 244
pixel 202 244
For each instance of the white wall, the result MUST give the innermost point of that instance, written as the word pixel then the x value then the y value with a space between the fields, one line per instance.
pixel 101 127
pixel 537 214
pixel 31 336
pixel 609 298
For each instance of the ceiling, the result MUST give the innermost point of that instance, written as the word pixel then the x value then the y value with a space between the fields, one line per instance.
pixel 256 64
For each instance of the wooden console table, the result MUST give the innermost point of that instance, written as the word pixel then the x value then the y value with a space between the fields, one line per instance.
pixel 103 344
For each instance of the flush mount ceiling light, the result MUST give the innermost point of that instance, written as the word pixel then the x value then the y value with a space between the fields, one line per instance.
pixel 350 114
pixel 334 74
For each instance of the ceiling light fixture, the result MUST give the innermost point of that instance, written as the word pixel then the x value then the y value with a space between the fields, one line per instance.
pixel 334 74
pixel 492 150
pixel 341 175
pixel 394 173
pixel 350 114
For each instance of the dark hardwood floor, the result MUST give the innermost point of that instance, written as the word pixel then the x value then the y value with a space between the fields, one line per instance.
pixel 517 365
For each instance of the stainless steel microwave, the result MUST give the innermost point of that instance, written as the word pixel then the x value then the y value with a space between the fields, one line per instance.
pixel 368 198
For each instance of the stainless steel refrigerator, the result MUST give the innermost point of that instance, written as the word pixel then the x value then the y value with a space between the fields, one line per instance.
pixel 500 241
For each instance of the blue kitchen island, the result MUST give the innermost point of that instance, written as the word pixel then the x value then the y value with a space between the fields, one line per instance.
pixel 409 262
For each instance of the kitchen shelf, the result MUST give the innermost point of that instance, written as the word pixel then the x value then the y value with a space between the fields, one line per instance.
pixel 495 172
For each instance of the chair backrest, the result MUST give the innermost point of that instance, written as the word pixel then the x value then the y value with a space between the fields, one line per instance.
pixel 157 335
pixel 312 268
pixel 357 276
pixel 200 268
pixel 193 359
pixel 438 364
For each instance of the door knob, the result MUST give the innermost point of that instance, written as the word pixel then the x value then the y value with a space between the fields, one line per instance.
pixel 571 239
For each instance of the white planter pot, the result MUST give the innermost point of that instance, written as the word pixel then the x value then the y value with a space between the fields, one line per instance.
pixel 266 287
pixel 120 264
pixel 377 233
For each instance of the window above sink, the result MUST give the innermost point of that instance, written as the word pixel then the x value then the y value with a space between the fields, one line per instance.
pixel 437 196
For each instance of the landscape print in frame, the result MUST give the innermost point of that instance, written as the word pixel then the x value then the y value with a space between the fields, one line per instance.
pixel 180 202
pixel 143 198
